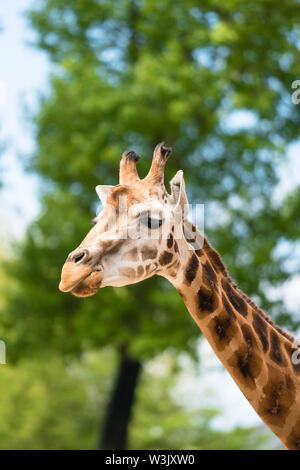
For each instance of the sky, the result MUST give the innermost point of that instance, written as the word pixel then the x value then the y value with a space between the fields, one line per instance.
pixel 24 74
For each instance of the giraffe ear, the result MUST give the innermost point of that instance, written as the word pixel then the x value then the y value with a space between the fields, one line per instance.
pixel 178 195
pixel 102 190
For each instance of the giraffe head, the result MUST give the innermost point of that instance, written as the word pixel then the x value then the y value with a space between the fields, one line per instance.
pixel 136 235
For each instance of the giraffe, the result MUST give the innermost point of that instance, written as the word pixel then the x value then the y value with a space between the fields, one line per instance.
pixel 256 352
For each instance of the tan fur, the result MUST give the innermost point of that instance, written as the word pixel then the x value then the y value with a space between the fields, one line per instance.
pixel 256 352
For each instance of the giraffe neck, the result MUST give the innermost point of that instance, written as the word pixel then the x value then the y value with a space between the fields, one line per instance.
pixel 256 353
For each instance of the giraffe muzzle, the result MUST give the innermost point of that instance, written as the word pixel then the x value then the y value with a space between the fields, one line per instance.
pixel 77 269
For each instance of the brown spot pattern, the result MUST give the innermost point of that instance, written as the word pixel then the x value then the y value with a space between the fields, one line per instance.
pixel 165 258
pixel 209 275
pixel 228 307
pixel 191 269
pixel 236 300
pixel 170 241
pixel 207 301
pixel 133 254
pixel 277 398
pixel 148 253
pixel 260 327
pixel 275 348
pixel 247 359
pixel 222 329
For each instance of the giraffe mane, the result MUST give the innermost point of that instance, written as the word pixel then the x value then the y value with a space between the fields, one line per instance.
pixel 217 261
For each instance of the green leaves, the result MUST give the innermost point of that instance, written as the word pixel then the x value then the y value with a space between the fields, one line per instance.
pixel 50 403
pixel 128 75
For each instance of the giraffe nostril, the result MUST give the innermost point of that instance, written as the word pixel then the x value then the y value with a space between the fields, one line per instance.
pixel 79 257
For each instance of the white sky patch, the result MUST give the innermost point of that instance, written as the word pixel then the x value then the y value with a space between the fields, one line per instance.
pixel 289 289
pixel 238 120
pixel 289 172
pixel 290 293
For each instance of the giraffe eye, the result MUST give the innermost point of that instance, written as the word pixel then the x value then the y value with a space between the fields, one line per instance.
pixel 150 222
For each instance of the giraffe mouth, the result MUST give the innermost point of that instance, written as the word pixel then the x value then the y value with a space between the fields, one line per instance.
pixel 89 285
pixel 81 280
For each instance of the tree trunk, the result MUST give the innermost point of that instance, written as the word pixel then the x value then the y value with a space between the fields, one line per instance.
pixel 114 434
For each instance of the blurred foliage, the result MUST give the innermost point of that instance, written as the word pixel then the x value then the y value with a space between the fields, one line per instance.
pixel 128 74
pixel 48 403
pixel 162 422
